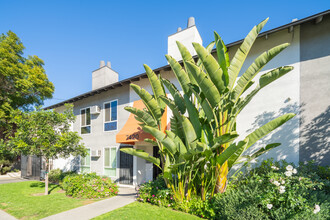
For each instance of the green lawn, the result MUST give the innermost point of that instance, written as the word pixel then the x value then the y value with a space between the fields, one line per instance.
pixel 25 200
pixel 138 210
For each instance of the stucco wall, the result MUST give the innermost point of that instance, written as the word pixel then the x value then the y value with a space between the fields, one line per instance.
pixel 315 91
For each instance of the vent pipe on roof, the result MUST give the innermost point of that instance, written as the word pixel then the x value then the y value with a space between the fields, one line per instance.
pixel 191 22
pixel 179 29
pixel 102 64
pixel 109 64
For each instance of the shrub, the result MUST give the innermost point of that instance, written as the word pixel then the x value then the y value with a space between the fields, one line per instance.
pixel 89 186
pixel 5 166
pixel 274 190
pixel 57 175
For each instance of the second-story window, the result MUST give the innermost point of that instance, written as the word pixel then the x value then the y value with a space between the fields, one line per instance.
pixel 85 120
pixel 110 116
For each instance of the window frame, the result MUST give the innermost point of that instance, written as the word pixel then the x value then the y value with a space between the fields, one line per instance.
pixel 90 125
pixel 104 167
pixel 90 161
pixel 104 115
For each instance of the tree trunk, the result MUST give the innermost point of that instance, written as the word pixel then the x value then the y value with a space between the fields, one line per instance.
pixel 46 177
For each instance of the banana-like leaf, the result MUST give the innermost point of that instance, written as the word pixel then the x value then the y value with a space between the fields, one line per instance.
pixel 186 57
pixel 208 88
pixel 264 80
pixel 193 116
pixel 248 159
pixel 156 85
pixel 142 154
pixel 222 53
pixel 149 101
pixel 255 68
pixel 231 150
pixel 180 74
pixel 241 54
pixel 181 148
pixel 226 138
pixel 154 143
pixel 212 67
pixel 206 106
pixel 161 137
pixel 188 129
pixel 267 128
pixel 176 127
pixel 209 50
pixel 143 116
pixel 178 99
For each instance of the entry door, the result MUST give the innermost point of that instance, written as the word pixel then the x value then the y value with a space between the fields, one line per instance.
pixel 126 168
pixel 156 170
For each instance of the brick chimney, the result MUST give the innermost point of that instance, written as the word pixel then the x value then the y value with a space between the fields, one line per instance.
pixel 103 76
pixel 186 37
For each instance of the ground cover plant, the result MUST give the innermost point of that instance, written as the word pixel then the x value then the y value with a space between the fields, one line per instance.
pixel 26 200
pixel 274 190
pixel 89 186
pixel 146 212
pixel 200 149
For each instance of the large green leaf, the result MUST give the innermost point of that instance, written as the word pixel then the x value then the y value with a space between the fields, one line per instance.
pixel 267 128
pixel 212 68
pixel 209 50
pixel 161 137
pixel 181 148
pixel 186 57
pixel 255 68
pixel 178 99
pixel 156 85
pixel 231 150
pixel 222 53
pixel 193 116
pixel 242 52
pixel 144 117
pixel 264 80
pixel 180 74
pixel 209 89
pixel 149 101
pixel 142 154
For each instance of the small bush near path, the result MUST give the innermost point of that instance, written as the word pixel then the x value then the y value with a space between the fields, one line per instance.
pixel 89 186
pixel 145 211
pixel 275 190
pixel 27 200
pixel 57 175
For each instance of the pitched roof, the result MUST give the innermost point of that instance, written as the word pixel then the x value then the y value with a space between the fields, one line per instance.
pixel 167 67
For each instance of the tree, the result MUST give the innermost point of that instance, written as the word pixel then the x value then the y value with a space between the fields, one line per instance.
pixel 200 149
pixel 23 81
pixel 46 134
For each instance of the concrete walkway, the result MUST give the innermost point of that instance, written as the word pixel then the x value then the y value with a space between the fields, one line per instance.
pixel 11 178
pixel 5 216
pixel 125 197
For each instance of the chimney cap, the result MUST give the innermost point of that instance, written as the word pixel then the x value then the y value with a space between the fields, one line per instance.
pixel 102 63
pixel 191 22
pixel 179 29
pixel 109 64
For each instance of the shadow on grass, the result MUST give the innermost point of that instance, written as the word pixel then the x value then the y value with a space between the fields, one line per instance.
pixel 51 187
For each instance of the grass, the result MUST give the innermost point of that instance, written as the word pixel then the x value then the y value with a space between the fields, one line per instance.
pixel 138 210
pixel 25 200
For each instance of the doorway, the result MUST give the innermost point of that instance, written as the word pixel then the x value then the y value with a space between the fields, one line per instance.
pixel 126 168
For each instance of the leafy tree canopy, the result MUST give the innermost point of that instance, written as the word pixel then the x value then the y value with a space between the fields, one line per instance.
pixel 23 81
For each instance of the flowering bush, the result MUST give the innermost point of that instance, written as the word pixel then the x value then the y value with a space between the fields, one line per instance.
pixel 275 190
pixel 89 186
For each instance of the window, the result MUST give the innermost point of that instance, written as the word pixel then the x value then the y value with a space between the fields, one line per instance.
pixel 110 161
pixel 110 116
pixel 85 162
pixel 85 120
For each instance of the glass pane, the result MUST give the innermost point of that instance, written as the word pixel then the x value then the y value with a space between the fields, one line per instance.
pixel 82 161
pixel 88 116
pixel 86 130
pixel 83 118
pixel 110 126
pixel 106 157
pixel 85 169
pixel 88 158
pixel 110 171
pixel 114 111
pixel 107 111
pixel 113 158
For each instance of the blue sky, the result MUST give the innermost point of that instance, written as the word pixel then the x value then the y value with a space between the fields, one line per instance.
pixel 73 36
